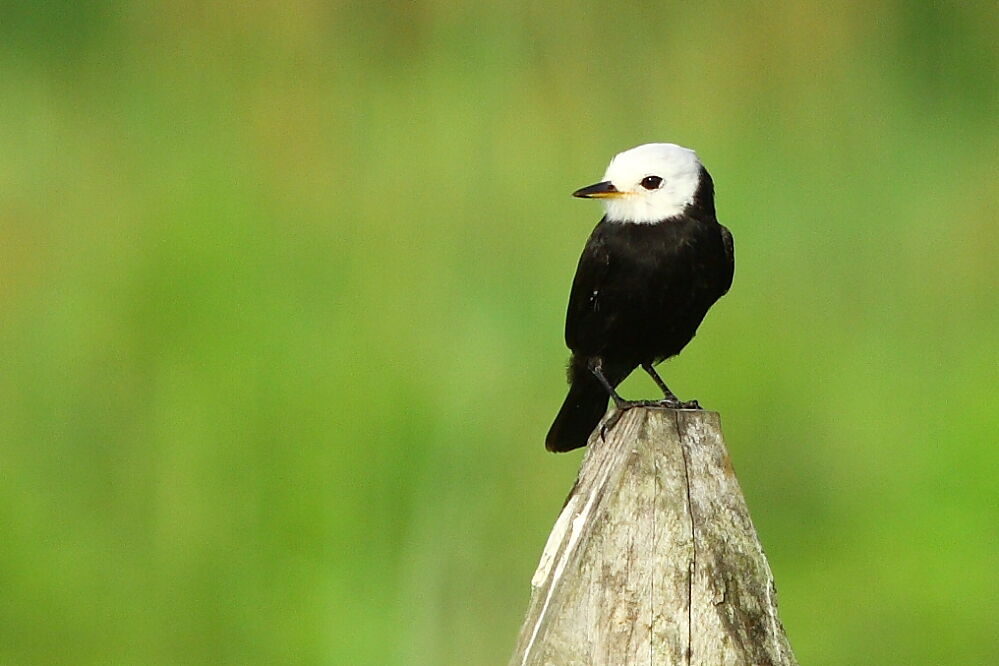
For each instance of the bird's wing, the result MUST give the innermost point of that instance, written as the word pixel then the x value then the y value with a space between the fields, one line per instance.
pixel 584 321
pixel 729 243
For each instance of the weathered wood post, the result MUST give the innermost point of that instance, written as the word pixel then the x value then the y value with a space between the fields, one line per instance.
pixel 654 559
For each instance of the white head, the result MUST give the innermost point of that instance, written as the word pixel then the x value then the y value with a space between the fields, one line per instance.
pixel 647 184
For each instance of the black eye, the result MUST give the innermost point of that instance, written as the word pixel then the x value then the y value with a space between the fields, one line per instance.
pixel 651 182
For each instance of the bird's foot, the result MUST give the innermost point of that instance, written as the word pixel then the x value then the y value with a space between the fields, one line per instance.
pixel 622 406
pixel 675 403
pixel 668 403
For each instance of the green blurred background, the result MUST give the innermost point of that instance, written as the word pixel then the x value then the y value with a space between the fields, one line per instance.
pixel 282 287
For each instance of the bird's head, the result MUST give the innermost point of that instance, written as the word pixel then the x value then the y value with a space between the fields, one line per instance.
pixel 649 183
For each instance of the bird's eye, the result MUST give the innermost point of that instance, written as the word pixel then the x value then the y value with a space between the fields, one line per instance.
pixel 652 182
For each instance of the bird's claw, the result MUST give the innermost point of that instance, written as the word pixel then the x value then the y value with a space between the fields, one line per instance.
pixel 611 421
pixel 673 403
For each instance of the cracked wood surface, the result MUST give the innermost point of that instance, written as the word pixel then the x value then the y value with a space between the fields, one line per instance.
pixel 654 559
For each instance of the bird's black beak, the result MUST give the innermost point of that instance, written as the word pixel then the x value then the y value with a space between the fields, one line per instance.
pixel 604 190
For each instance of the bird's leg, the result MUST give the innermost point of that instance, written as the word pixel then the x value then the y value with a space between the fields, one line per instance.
pixel 669 396
pixel 670 399
pixel 596 367
pixel 620 404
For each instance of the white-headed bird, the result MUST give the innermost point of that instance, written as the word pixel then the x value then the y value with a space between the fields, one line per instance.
pixel 648 274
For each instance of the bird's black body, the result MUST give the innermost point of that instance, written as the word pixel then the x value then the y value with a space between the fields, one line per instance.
pixel 640 292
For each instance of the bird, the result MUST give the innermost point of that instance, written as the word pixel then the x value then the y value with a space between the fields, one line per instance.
pixel 651 269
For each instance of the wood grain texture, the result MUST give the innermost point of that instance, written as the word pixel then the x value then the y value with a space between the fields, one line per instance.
pixel 654 559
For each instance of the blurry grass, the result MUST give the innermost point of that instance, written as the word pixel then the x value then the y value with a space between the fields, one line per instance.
pixel 283 287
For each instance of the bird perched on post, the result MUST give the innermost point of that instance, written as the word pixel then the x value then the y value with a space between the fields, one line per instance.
pixel 648 274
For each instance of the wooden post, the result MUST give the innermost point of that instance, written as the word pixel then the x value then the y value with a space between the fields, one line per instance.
pixel 654 559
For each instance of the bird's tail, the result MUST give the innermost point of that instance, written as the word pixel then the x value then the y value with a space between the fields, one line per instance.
pixel 581 412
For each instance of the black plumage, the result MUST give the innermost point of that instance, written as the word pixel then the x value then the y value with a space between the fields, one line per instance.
pixel 639 294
